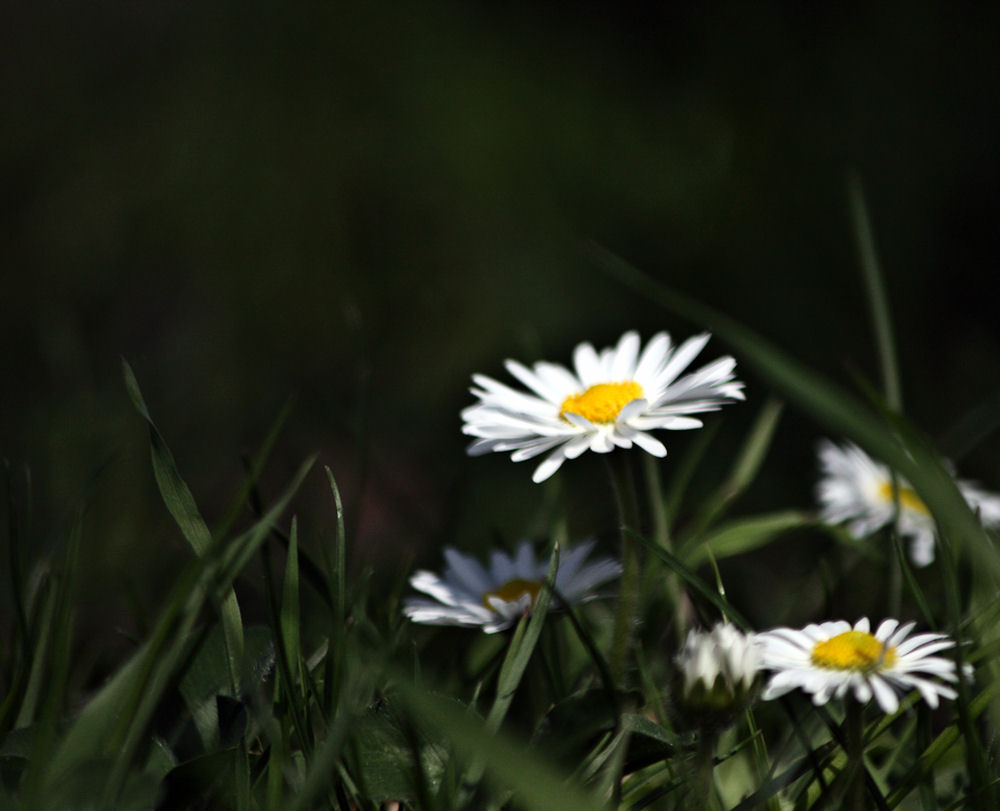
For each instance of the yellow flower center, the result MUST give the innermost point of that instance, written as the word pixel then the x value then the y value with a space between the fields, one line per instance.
pixel 908 499
pixel 602 402
pixel 853 650
pixel 514 590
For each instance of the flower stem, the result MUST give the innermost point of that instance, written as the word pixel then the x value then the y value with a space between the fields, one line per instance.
pixel 704 766
pixel 623 483
pixel 854 722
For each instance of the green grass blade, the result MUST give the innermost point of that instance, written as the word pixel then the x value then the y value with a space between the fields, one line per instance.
pixel 878 301
pixel 175 492
pixel 742 535
pixel 181 505
pixel 745 468
pixel 256 466
pixel 20 650
pixel 338 564
pixel 290 634
pixel 337 595
pixel 521 648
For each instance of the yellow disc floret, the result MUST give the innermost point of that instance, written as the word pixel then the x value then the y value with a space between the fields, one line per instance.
pixel 908 499
pixel 602 402
pixel 514 590
pixel 853 650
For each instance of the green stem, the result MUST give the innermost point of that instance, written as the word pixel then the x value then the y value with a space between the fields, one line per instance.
pixel 704 767
pixel 855 799
pixel 661 537
pixel 623 484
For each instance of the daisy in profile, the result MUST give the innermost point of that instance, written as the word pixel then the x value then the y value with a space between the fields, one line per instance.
pixel 831 659
pixel 857 491
pixel 719 667
pixel 471 595
pixel 610 399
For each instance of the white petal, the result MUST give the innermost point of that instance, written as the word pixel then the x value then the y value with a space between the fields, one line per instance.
pixel 550 465
pixel 623 365
pixel 587 365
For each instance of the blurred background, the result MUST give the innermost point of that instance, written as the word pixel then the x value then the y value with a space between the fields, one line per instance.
pixel 358 205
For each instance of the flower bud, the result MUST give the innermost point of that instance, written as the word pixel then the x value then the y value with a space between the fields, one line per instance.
pixel 719 668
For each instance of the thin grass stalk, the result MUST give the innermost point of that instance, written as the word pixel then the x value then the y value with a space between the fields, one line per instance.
pixel 337 585
pixel 660 534
pixel 854 799
pixel 704 768
pixel 982 788
pixel 623 484
pixel 926 787
pixel 878 301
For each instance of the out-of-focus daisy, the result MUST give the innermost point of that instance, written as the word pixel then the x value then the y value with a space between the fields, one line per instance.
pixel 857 491
pixel 612 398
pixel 495 598
pixel 719 667
pixel 833 658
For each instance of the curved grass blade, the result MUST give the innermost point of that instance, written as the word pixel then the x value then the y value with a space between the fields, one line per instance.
pixel 181 505
pixel 742 535
pixel 878 301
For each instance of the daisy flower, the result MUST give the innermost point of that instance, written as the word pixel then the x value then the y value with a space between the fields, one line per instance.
pixel 857 491
pixel 831 659
pixel 719 666
pixel 471 595
pixel 610 399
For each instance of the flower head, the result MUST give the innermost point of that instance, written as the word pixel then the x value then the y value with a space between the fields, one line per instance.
pixel 833 658
pixel 857 491
pixel 610 399
pixel 468 594
pixel 719 667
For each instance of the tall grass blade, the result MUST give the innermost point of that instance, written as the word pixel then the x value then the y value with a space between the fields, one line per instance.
pixel 256 467
pixel 878 301
pixel 290 631
pixel 521 647
pixel 742 535
pixel 746 466
pixel 181 505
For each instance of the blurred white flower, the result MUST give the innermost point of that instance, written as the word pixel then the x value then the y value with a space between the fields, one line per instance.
pixel 833 658
pixel 611 399
pixel 719 667
pixel 857 491
pixel 493 599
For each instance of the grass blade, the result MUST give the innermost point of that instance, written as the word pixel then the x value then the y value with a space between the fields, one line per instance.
pixel 878 301
pixel 181 505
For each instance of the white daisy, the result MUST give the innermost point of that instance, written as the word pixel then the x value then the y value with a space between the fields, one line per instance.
pixel 719 667
pixel 832 658
pixel 611 399
pixel 857 491
pixel 469 594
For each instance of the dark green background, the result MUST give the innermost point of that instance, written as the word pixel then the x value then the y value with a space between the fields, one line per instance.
pixel 361 204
